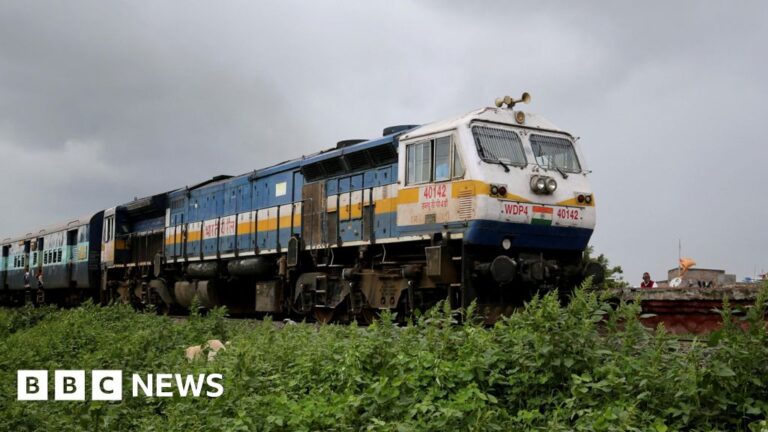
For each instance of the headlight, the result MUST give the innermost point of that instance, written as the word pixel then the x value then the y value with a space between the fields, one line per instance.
pixel 506 244
pixel 551 185
pixel 498 190
pixel 538 184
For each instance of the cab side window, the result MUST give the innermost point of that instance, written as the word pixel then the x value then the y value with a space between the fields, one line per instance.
pixel 458 167
pixel 108 226
pixel 442 159
pixel 419 162
pixel 432 161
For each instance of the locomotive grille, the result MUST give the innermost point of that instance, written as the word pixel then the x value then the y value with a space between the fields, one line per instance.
pixel 465 203
pixel 357 160
pixel 383 154
pixel 332 166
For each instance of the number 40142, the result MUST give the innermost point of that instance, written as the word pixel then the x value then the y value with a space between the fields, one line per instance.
pixel 435 191
pixel 569 214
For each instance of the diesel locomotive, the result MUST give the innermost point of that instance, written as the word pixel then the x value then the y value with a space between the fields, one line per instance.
pixel 490 206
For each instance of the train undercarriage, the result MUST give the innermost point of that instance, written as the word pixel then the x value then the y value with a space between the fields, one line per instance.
pixel 351 283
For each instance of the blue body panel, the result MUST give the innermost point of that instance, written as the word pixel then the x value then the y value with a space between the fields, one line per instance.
pixel 193 249
pixel 270 188
pixel 149 225
pixel 266 239
pixel 209 247
pixel 80 274
pixel 246 242
pixel 385 225
pixel 56 276
pixel 15 279
pixel 525 236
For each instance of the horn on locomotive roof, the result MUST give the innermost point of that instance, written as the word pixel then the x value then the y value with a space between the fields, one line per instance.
pixel 507 100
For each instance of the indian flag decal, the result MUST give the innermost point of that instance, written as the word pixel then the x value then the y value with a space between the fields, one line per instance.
pixel 541 215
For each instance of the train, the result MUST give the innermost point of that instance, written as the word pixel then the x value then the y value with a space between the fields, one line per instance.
pixel 490 207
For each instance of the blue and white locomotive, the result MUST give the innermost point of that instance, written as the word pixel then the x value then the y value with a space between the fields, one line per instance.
pixel 489 206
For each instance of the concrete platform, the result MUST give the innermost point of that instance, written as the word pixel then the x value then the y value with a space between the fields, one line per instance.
pixel 690 310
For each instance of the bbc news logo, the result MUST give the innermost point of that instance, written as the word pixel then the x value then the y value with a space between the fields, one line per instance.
pixel 107 385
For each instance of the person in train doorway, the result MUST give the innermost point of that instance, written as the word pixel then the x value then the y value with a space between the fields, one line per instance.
pixel 27 290
pixel 647 282
pixel 40 292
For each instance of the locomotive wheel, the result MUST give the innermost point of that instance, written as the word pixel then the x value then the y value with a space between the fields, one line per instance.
pixel 162 308
pixel 323 315
pixel 367 316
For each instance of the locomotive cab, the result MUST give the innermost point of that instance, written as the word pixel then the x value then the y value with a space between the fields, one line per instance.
pixel 510 185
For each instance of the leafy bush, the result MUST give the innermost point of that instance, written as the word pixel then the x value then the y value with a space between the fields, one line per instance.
pixel 582 366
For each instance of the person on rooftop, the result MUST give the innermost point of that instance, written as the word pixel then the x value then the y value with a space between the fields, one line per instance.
pixel 647 282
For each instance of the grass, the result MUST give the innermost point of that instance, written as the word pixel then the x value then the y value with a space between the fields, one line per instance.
pixel 584 366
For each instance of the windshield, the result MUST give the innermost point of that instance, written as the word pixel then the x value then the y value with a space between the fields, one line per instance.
pixel 555 153
pixel 499 145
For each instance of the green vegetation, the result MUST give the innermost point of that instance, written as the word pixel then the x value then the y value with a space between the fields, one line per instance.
pixel 614 275
pixel 584 366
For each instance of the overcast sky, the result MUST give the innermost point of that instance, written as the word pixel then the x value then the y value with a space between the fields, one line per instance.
pixel 104 101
